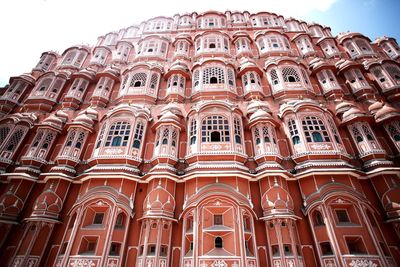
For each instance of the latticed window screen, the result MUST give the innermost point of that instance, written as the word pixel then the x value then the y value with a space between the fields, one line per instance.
pixel 393 128
pixel 57 85
pixel 137 139
pixel 118 134
pixel 70 138
pixel 215 129
pixel 80 140
pixel 357 134
pixel 274 77
pixel 315 130
pixel 290 74
pixel 305 76
pixel 47 141
pixel 367 132
pixel 378 73
pixel 196 78
pixel 14 140
pixel 333 128
pixel 38 138
pixel 294 132
pixel 213 75
pixel 101 136
pixel 174 138
pixel 154 80
pixel 231 77
pixel 138 79
pixel 4 131
pixel 193 131
pixel 257 136
pixel 393 71
pixel 165 137
pixel 238 131
pixel 44 85
pixel 363 45
pixel 267 135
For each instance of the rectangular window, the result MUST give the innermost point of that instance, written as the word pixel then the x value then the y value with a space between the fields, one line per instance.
pixel 326 248
pixel 217 219
pixel 114 249
pixel 342 216
pixel 355 245
pixel 275 251
pixel 98 218
pixel 287 249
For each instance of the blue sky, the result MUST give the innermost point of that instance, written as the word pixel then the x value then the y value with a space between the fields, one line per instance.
pixel 30 27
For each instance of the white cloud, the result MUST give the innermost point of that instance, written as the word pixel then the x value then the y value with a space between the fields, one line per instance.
pixel 30 27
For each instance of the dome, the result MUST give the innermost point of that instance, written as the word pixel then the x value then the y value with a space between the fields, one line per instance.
pixel 172 107
pixel 343 107
pixel 260 114
pixel 256 105
pixel 386 112
pixel 56 120
pixel 277 200
pixel 159 202
pixel 352 113
pixel 374 107
pixel 169 117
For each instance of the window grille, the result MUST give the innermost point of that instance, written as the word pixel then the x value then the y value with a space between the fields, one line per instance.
pixel 274 77
pixel 215 129
pixel 70 138
pixel 334 131
pixel 393 71
pixel 193 131
pixel 154 81
pixel 4 131
pixel 290 75
pixel 231 77
pixel 15 140
pixel 315 130
pixel 393 128
pixel 294 133
pixel 138 135
pixel 238 131
pixel 118 134
pixel 138 79
pixel 213 75
pixel 101 136
pixel 257 136
pixel 363 45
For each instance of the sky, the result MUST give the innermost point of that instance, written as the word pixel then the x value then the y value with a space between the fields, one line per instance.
pixel 30 27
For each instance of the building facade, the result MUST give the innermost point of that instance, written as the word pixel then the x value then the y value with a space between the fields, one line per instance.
pixel 209 140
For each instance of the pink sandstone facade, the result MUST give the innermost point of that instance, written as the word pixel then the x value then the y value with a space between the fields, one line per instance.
pixel 209 140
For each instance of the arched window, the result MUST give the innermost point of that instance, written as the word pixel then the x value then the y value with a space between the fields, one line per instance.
pixel 193 131
pixel 138 135
pixel 290 75
pixel 315 130
pixel 138 79
pixel 213 75
pixel 118 134
pixel 4 130
pixel 119 223
pixel 218 242
pixel 238 131
pixel 294 133
pixel 318 219
pixel 215 129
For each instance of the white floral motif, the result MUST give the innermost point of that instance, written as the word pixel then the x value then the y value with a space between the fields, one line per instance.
pixel 235 264
pixel 82 263
pixel 219 263
pixel 362 263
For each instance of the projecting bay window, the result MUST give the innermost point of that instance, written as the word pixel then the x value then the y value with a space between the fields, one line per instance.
pixel 293 26
pixel 122 52
pixel 356 80
pixel 273 43
pixel 364 139
pixel 48 87
pixel 176 84
pixel 212 43
pixel 153 48
pixel 238 18
pixel 10 139
pixel 387 76
pixel 99 56
pixel 214 78
pixel 15 90
pixel 158 25
pixel 251 82
pixel 73 144
pixel 264 140
pixel 103 87
pixel 288 78
pixel 316 31
pixel 46 61
pixel 304 45
pixel 242 45
pixel 74 58
pixel 166 141
pixel 211 22
pixel 120 138
pixel 328 81
pixel 78 88
pixel 140 82
pixel 391 49
pixel 393 130
pixel 41 144
pixel 329 47
pixel 182 48
pixel 358 47
pixel 185 21
pixel 265 21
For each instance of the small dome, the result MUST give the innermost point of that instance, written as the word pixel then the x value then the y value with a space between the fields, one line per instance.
pixel 172 107
pixel 256 105
pixel 374 107
pixel 260 114
pixel 343 107
pixel 352 113
pixel 385 113
pixel 168 116
pixel 56 120
pixel 277 200
pixel 159 202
